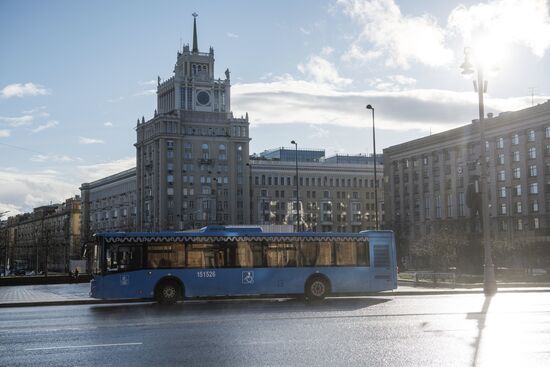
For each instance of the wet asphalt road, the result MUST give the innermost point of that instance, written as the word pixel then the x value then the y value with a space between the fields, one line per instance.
pixel 456 330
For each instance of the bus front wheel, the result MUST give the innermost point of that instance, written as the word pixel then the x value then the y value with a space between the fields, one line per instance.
pixel 317 288
pixel 168 292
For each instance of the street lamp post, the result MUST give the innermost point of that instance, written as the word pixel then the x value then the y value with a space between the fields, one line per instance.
pixel 489 281
pixel 297 191
pixel 369 107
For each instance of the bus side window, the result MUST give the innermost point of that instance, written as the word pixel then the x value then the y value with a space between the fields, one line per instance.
pixel 325 254
pixel 363 254
pixel 308 253
pixel 346 253
pixel 244 255
pixel 125 258
pixel 165 255
pixel 272 255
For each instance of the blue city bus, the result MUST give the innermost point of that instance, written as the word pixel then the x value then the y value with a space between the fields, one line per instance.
pixel 223 261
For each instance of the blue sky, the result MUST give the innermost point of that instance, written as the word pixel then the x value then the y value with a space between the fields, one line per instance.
pixel 75 75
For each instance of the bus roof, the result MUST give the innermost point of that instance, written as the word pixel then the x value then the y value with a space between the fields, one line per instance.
pixel 233 234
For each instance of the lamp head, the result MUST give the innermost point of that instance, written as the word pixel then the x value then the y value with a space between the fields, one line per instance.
pixel 369 107
pixel 293 142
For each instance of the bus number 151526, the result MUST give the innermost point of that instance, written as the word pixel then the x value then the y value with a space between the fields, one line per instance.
pixel 206 274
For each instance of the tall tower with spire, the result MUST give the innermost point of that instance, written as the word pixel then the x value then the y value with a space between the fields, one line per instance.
pixel 191 157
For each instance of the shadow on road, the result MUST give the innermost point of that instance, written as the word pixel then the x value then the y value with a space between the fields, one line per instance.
pixel 481 317
pixel 239 306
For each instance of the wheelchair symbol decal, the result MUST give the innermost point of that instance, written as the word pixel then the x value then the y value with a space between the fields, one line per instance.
pixel 248 277
pixel 124 279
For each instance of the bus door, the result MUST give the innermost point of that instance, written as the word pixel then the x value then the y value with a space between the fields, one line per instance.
pixel 383 265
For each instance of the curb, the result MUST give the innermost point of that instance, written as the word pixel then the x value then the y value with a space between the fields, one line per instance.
pixel 463 291
pixel 74 302
pixel 380 294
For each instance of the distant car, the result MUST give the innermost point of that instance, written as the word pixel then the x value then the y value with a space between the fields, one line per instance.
pixel 19 272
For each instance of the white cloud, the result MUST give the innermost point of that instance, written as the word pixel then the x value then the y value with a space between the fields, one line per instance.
pixel 496 25
pixel 232 35
pixel 305 31
pixel 327 51
pixel 51 157
pixel 288 100
pixel 86 141
pixel 148 92
pixel 23 90
pixel 96 171
pixel 490 27
pixel 10 209
pixel 399 40
pixel 35 110
pixel 47 125
pixel 24 190
pixel 17 121
pixel 116 99
pixel 151 82
pixel 108 124
pixel 323 72
pixel 4 133
pixel 318 131
pixel 393 83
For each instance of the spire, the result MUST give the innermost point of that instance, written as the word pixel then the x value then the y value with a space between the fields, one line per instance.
pixel 195 43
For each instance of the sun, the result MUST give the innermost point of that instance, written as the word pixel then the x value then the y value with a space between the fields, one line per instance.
pixel 489 52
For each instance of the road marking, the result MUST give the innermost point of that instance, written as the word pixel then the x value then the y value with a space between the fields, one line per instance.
pixel 85 346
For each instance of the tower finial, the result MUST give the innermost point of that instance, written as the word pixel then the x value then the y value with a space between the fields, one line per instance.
pixel 195 43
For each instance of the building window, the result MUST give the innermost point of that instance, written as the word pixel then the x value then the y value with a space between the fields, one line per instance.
pixel 205 151
pixel 438 206
pixel 500 159
pixel 547 132
pixel 426 207
pixel 187 151
pixel 519 224
pixel 515 139
pixel 533 171
pixel 503 208
pixel 502 192
pixel 515 156
pixel 449 205
pixel 501 176
pixel 516 172
pixel 460 204
pixel 531 135
pixel 222 152
pixel 518 207
pixel 517 190
pixel 536 223
pixel 535 206
pixel 533 188
pixel 532 153
pixel 500 143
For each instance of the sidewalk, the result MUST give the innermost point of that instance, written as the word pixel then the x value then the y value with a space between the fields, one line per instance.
pixel 77 294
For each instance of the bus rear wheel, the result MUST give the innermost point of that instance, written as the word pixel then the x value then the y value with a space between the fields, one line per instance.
pixel 317 288
pixel 168 292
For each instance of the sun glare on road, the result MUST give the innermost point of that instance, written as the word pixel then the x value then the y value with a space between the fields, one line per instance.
pixel 506 337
